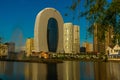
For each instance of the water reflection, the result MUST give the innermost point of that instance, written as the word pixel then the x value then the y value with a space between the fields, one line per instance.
pixel 86 71
pixel 107 71
pixel 69 70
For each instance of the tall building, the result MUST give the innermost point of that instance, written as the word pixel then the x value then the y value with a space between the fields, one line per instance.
pixel 76 39
pixel 3 50
pixel 109 36
pixel 48 32
pixel 68 37
pixel 98 44
pixel 29 46
pixel 88 46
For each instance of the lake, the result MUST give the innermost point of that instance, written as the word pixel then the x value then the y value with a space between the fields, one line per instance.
pixel 68 70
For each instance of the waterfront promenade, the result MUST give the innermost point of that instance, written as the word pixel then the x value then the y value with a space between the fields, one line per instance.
pixel 58 58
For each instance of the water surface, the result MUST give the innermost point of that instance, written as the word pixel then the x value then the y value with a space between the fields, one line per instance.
pixel 68 70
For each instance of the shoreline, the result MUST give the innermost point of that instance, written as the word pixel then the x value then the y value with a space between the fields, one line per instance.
pixel 51 60
pixel 114 59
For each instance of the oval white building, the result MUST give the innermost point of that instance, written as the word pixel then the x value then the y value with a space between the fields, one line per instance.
pixel 48 32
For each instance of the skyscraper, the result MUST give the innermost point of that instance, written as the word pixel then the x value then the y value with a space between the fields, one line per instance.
pixel 68 37
pixel 76 39
pixel 98 44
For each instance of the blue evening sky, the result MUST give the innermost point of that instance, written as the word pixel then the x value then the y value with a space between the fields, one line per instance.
pixel 17 17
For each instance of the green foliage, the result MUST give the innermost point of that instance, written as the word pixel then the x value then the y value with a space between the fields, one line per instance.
pixel 101 12
pixel 104 13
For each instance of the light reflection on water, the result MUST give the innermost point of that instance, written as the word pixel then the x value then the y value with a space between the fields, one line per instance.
pixel 69 70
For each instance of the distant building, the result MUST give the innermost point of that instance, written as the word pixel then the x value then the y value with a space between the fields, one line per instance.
pixel 11 47
pixel 29 46
pixel 3 50
pixel 76 39
pixel 68 37
pixel 100 45
pixel 88 46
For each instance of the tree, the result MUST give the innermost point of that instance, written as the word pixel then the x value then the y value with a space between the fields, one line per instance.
pixel 102 12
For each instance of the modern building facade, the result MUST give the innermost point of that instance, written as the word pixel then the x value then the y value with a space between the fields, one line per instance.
pixel 76 39
pixel 48 31
pixel 29 46
pixel 71 38
pixel 101 45
pixel 68 37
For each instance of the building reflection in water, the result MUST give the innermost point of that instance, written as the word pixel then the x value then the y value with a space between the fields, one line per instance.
pixel 86 71
pixel 2 70
pixel 2 67
pixel 35 71
pixel 71 70
pixel 53 71
pixel 9 70
pixel 114 71
pixel 107 71
pixel 68 70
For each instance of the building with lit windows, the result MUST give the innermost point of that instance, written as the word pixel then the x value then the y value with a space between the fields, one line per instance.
pixel 68 37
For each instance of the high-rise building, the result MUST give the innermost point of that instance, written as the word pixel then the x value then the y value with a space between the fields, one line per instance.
pixel 48 32
pixel 29 46
pixel 98 44
pixel 71 38
pixel 76 39
pixel 3 50
pixel 68 37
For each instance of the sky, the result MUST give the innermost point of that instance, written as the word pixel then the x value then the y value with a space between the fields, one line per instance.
pixel 17 18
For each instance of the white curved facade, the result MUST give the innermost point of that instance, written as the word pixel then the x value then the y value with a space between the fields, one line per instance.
pixel 68 37
pixel 40 31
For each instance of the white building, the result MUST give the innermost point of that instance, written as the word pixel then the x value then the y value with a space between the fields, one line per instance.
pixel 48 31
pixel 71 38
pixel 115 50
pixel 68 37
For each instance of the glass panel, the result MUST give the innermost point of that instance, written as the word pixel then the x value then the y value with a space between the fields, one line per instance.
pixel 52 34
